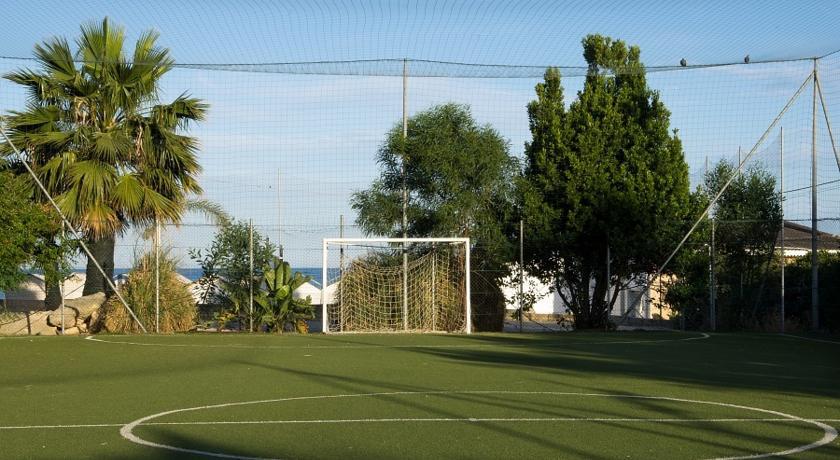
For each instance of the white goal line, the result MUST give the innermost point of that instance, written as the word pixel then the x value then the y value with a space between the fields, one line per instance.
pixel 428 420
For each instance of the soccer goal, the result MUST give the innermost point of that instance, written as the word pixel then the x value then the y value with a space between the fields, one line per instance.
pixel 396 285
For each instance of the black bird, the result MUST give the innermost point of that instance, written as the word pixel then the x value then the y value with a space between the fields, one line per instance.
pixel 683 62
pixel 747 59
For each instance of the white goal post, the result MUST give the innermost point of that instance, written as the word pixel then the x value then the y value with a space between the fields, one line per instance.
pixel 377 291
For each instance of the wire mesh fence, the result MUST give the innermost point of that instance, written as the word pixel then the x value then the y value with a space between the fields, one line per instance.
pixel 285 147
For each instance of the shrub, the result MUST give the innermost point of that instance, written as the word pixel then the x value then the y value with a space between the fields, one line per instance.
pixel 178 311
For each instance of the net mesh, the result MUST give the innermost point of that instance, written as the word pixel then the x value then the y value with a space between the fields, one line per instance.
pixel 377 290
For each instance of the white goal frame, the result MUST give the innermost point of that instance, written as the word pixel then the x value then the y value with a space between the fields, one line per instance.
pixel 324 261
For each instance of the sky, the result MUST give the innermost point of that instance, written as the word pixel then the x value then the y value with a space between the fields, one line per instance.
pixel 285 145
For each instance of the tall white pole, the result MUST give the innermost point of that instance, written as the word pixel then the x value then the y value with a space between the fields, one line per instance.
pixel 468 288
pixel 521 271
pixel 157 275
pixel 782 232
pixel 325 324
pixel 712 321
pixel 251 275
pixel 815 283
pixel 341 273
pixel 405 192
pixel 60 289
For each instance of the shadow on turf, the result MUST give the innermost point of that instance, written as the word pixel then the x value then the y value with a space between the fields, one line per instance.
pixel 730 361
pixel 357 385
pixel 715 435
pixel 183 441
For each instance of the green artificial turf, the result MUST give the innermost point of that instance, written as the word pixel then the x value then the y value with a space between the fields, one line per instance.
pixel 419 396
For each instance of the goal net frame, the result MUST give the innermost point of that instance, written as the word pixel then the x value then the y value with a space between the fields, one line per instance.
pixel 403 241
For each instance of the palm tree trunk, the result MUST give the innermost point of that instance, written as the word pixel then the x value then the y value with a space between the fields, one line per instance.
pixel 103 250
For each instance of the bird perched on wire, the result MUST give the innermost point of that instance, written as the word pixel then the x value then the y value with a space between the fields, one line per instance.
pixel 747 59
pixel 683 62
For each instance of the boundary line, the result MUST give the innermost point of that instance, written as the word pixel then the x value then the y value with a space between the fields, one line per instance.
pixel 92 338
pixel 424 420
pixel 810 339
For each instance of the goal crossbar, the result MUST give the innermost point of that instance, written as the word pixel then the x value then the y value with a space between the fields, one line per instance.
pixel 325 280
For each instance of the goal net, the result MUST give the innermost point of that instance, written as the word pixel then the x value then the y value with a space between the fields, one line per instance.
pixel 396 285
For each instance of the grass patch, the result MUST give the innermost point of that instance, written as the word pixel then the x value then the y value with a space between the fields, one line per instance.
pixel 428 396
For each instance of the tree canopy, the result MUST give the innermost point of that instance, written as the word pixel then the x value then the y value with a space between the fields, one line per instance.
pixel 746 219
pixel 459 179
pixel 27 235
pixel 98 137
pixel 604 178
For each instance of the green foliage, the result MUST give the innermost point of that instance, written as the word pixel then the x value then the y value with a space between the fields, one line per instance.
pixel 96 134
pixel 459 178
pixel 29 236
pixel 178 311
pixel 278 307
pixel 746 218
pixel 228 278
pixel 606 173
pixel 798 291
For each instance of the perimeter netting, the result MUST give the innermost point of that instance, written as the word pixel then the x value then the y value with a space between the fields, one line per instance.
pixel 419 286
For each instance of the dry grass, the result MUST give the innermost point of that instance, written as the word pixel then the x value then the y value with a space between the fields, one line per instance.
pixel 178 311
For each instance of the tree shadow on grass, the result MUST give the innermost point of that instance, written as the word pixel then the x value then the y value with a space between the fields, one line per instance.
pixel 721 361
pixel 358 385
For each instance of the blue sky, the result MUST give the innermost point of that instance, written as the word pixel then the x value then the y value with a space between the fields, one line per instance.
pixel 318 134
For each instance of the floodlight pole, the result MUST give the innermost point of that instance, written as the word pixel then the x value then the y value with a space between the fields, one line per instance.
pixel 341 273
pixel 521 271
pixel 815 283
pixel 157 275
pixel 712 290
pixel 75 233
pixel 60 289
pixel 405 191
pixel 251 275
pixel 782 232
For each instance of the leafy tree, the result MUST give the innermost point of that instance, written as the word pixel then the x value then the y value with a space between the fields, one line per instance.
pixel 459 179
pixel 747 220
pixel 26 234
pixel 227 277
pixel 605 176
pixel 99 139
pixel 278 307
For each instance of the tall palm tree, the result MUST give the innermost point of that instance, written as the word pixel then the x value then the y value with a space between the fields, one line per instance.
pixel 95 133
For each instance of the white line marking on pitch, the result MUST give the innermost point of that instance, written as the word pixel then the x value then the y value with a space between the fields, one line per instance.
pixel 810 339
pixel 380 420
pixel 127 431
pixel 702 336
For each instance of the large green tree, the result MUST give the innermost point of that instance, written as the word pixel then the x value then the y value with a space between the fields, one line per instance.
pixel 228 279
pixel 459 179
pixel 98 137
pixel 604 178
pixel 27 232
pixel 746 218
